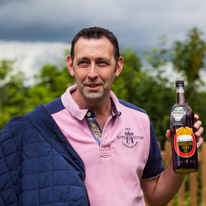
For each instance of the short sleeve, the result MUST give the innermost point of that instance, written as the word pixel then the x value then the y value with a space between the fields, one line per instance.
pixel 154 165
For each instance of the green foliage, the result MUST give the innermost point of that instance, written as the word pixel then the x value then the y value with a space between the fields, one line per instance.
pixel 125 85
pixel 54 80
pixel 12 91
pixel 158 57
pixel 5 68
pixel 189 57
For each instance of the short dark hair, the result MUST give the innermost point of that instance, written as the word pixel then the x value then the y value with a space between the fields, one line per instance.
pixel 96 33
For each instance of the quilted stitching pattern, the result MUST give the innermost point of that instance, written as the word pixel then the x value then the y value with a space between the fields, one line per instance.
pixel 33 172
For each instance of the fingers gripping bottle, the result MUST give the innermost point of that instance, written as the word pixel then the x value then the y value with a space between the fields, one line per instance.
pixel 184 148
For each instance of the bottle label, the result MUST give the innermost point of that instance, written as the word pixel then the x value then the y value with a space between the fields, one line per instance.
pixel 184 142
pixel 178 116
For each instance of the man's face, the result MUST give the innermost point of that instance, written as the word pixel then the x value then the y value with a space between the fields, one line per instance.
pixel 94 68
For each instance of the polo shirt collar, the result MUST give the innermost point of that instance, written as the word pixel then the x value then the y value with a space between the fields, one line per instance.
pixel 74 109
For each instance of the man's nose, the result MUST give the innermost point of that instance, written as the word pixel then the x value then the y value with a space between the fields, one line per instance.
pixel 92 73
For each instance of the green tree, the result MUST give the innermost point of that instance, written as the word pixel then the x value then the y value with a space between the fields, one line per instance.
pixel 50 83
pixel 5 69
pixel 124 85
pixel 158 57
pixel 12 92
pixel 188 57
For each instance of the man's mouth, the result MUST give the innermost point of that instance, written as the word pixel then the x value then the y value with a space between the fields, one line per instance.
pixel 93 85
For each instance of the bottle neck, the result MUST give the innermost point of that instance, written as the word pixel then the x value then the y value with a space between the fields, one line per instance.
pixel 180 95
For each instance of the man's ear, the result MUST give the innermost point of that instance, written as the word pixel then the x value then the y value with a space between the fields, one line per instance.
pixel 119 66
pixel 70 65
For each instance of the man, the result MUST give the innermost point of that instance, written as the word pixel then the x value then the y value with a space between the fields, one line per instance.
pixel 88 126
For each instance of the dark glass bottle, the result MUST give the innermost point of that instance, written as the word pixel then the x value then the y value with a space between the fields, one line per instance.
pixel 184 148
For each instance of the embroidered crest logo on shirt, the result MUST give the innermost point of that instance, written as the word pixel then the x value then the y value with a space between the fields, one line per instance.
pixel 129 140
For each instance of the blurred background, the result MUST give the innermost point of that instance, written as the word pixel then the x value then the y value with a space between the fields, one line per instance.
pixel 161 41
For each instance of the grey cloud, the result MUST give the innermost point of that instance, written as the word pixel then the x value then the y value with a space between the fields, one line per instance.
pixel 136 23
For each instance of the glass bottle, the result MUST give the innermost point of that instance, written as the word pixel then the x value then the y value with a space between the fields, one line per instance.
pixel 184 147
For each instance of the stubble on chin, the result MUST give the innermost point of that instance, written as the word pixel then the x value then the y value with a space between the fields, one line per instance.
pixel 93 95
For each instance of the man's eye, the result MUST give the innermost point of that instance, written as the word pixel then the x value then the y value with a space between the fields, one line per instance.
pixel 83 63
pixel 102 64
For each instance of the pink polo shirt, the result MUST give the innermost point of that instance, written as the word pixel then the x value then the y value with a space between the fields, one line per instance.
pixel 115 158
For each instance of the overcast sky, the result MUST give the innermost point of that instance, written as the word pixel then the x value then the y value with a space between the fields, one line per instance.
pixel 36 31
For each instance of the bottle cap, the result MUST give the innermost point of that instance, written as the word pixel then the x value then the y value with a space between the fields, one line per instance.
pixel 179 83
